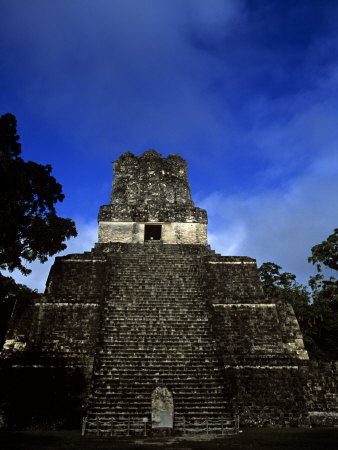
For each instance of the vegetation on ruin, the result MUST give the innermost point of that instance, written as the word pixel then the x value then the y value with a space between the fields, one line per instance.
pixel 316 308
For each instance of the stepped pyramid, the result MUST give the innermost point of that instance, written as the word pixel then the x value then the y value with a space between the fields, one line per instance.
pixel 162 330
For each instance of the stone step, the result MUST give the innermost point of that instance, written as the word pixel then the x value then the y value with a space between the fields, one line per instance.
pixel 159 320
pixel 160 346
pixel 202 407
pixel 193 361
pixel 209 399
pixel 188 357
pixel 200 388
pixel 214 391
pixel 135 364
pixel 144 379
pixel 189 415
pixel 156 329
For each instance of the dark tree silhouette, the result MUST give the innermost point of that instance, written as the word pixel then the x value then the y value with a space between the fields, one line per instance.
pixel 30 228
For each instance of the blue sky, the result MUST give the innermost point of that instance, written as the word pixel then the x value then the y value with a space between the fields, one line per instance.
pixel 245 91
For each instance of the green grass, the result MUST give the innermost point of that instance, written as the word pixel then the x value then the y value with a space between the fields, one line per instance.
pixel 249 439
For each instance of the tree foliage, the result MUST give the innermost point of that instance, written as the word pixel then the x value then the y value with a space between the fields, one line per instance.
pixel 326 253
pixel 30 227
pixel 325 294
pixel 315 309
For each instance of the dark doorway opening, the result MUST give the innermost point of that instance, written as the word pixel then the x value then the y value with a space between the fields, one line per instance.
pixel 152 232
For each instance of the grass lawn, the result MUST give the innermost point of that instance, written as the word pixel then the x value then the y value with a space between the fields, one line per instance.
pixel 249 439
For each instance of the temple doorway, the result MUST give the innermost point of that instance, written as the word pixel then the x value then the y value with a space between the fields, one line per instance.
pixel 152 232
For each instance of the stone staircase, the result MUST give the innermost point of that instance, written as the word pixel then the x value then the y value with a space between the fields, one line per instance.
pixel 155 332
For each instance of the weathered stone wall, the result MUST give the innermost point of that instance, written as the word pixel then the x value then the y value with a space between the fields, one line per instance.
pixel 321 382
pixel 64 323
pixel 249 334
pixel 251 324
pixel 268 395
pixel 291 335
pixel 48 356
pixel 150 179
pixel 172 233
pixel 150 188
pixel 260 345
pixel 233 279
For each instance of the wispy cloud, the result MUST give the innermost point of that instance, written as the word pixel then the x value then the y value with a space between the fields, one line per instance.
pixel 278 226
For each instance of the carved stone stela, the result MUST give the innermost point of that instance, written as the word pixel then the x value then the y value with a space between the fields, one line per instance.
pixel 162 408
pixel 151 317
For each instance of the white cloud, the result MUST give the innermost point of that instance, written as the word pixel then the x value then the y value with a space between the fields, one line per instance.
pixel 275 225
